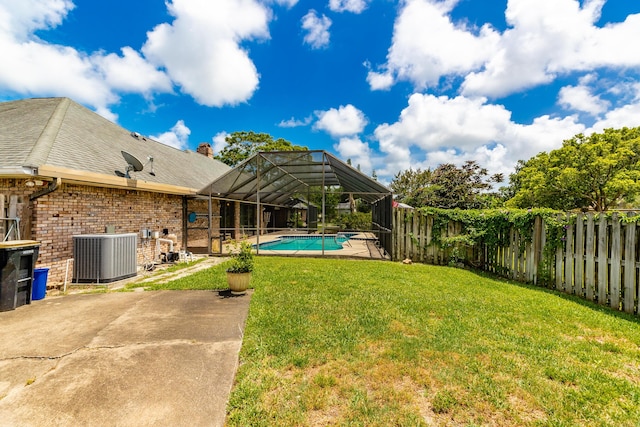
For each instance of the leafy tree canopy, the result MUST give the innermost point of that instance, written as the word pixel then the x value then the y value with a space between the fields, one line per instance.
pixel 599 171
pixel 331 199
pixel 242 145
pixel 411 186
pixel 447 186
pixel 460 187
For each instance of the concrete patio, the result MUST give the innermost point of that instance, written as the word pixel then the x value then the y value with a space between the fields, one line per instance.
pixel 165 358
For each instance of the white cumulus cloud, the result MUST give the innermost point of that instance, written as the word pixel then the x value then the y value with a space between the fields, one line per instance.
pixel 317 29
pixel 132 73
pixel 201 48
pixel 544 39
pixel 547 38
pixel 346 120
pixel 294 123
pixel 358 151
pixel 21 18
pixel 354 6
pixel 427 45
pixel 622 116
pixel 30 66
pixel 199 51
pixel 379 81
pixel 219 142
pixel 286 3
pixel 177 137
pixel 451 130
pixel 580 98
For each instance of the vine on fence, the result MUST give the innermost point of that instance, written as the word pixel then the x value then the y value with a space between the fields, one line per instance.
pixel 492 228
pixel 486 237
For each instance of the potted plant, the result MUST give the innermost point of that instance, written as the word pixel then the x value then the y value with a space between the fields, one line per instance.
pixel 239 271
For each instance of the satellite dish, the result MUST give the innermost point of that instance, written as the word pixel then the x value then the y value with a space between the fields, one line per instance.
pixel 133 164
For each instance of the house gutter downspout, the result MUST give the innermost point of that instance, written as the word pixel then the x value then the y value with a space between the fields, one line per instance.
pixel 50 189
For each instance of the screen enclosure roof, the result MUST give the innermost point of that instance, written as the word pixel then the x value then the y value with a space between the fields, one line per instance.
pixel 279 177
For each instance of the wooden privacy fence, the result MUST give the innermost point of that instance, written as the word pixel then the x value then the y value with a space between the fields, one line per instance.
pixel 599 258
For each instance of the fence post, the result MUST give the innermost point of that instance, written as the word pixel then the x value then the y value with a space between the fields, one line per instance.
pixel 629 268
pixel 614 279
pixel 422 230
pixel 528 260
pixel 559 268
pixel 578 283
pixel 396 235
pixel 603 261
pixel 590 272
pixel 568 262
pixel 442 252
pixel 506 257
pixel 544 260
pixel 537 243
pixel 513 254
pixel 415 242
pixel 429 248
pixel 407 236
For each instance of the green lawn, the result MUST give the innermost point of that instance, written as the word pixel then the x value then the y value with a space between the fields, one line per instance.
pixel 366 343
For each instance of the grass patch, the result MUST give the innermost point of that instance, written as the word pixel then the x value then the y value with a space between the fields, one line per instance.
pixel 341 342
pixel 179 266
pixel 444 401
pixel 210 278
pixel 367 343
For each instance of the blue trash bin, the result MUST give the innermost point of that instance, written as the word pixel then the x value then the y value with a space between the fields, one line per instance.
pixel 39 288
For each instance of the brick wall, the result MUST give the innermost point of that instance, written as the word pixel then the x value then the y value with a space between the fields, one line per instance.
pixel 198 230
pixel 55 218
pixel 75 209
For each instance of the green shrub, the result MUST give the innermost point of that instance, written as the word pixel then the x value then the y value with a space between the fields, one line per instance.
pixel 359 221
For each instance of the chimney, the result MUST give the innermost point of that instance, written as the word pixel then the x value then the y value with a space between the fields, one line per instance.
pixel 205 149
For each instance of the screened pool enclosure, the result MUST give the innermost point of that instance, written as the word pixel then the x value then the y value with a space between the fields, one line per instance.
pixel 296 194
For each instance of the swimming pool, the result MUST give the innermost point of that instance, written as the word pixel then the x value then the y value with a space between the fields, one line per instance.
pixel 332 242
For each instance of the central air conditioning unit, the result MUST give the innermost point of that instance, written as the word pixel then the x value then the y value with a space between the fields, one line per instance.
pixel 103 258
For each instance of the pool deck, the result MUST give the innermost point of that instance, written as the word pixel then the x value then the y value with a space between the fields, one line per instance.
pixel 360 245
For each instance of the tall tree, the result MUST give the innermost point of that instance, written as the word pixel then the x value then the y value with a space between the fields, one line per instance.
pixel 447 186
pixel 460 187
pixel 331 200
pixel 598 171
pixel 412 186
pixel 242 145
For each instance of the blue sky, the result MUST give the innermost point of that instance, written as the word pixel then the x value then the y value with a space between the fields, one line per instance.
pixel 388 84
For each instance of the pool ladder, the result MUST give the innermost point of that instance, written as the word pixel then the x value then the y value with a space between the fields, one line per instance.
pixel 335 239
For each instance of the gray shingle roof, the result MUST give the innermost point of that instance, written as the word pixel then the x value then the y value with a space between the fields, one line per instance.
pixel 58 132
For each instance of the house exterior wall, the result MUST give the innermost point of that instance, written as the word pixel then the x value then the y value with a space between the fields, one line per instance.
pixel 198 230
pixel 77 209
pixel 16 187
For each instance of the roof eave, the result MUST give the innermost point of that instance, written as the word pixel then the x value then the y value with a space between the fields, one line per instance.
pixel 96 179
pixel 16 171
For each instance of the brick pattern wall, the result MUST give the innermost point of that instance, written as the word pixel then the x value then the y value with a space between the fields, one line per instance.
pixel 197 231
pixel 76 209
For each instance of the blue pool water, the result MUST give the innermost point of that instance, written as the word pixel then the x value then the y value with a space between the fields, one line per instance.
pixel 332 242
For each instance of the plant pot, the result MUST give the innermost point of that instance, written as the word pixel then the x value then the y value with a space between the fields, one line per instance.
pixel 238 282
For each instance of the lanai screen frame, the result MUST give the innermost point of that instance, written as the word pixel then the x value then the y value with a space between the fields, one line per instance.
pixel 276 177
